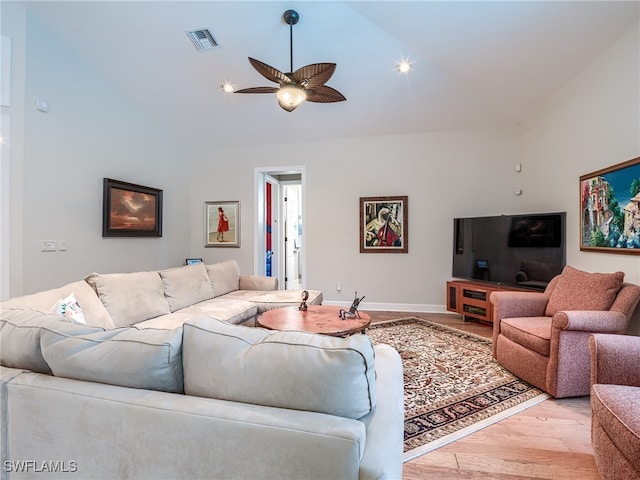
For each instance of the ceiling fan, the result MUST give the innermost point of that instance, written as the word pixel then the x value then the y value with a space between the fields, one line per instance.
pixel 306 83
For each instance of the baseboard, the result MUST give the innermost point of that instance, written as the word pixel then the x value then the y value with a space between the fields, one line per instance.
pixel 393 307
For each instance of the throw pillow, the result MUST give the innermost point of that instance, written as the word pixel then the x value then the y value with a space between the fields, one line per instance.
pixel 129 357
pixel 288 369
pixel 94 312
pixel 130 297
pixel 224 277
pixel 184 286
pixel 578 290
pixel 69 307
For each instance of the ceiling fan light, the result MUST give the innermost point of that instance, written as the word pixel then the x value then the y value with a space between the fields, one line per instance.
pixel 290 97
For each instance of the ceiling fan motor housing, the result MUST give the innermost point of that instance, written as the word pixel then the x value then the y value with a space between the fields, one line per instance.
pixel 290 17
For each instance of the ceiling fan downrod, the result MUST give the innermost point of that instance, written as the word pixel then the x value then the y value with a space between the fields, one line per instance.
pixel 291 17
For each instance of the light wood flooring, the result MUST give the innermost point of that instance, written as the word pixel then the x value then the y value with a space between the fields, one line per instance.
pixel 550 440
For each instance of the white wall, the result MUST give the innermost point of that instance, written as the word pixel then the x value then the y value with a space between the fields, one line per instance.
pixel 444 175
pixel 91 131
pixel 592 124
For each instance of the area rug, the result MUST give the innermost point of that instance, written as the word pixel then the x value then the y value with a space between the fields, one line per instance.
pixel 453 386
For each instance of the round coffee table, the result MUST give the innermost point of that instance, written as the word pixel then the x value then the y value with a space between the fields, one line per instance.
pixel 316 319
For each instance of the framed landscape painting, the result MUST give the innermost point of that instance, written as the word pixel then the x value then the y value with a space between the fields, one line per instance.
pixel 222 224
pixel 383 225
pixel 130 210
pixel 610 209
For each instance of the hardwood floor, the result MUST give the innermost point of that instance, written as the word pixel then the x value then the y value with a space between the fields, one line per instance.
pixel 550 440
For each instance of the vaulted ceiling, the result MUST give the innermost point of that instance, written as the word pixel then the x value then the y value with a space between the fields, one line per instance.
pixel 475 64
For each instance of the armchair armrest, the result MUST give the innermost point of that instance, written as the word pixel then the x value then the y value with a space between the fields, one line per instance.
pixel 590 321
pixel 518 304
pixel 258 282
pixel 615 359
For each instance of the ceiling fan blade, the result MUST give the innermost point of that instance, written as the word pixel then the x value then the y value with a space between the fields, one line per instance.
pixel 324 94
pixel 258 90
pixel 268 72
pixel 314 75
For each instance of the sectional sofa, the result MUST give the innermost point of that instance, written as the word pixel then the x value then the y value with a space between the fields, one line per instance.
pixel 162 375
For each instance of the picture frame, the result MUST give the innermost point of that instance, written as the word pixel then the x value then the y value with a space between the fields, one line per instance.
pixel 384 226
pixel 130 210
pixel 192 261
pixel 610 209
pixel 222 231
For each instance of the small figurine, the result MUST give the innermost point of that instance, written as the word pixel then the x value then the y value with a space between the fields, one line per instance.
pixel 303 304
pixel 353 310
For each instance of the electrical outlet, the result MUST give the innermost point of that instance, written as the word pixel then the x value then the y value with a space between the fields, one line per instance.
pixel 63 245
pixel 49 246
pixel 338 287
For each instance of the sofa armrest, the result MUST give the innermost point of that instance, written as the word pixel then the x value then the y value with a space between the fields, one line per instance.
pixel 615 359
pixel 518 304
pixel 385 433
pixel 590 321
pixel 258 282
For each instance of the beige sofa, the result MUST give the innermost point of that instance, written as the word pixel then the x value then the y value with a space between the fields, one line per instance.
pixel 162 381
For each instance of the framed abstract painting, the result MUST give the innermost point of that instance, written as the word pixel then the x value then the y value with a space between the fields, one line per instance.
pixel 384 225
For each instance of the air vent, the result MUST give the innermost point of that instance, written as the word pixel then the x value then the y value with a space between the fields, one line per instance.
pixel 202 39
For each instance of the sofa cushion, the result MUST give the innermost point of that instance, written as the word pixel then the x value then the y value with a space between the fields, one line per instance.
pixel 270 300
pixel 616 409
pixel 224 277
pixel 578 290
pixel 224 309
pixel 20 331
pixel 533 333
pixel 184 286
pixel 295 370
pixel 95 313
pixel 129 357
pixel 130 297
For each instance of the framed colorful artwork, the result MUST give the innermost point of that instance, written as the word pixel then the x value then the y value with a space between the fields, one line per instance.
pixel 610 209
pixel 384 226
pixel 130 210
pixel 222 224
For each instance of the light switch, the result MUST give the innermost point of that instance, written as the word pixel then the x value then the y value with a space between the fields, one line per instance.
pixel 49 246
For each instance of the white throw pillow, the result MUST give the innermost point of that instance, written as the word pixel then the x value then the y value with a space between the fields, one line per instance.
pixel 295 370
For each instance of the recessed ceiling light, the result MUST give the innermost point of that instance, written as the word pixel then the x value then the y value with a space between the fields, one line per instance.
pixel 228 87
pixel 404 66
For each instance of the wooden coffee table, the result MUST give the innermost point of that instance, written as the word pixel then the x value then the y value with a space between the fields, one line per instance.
pixel 316 319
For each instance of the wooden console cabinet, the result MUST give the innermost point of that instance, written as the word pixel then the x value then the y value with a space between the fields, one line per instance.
pixel 472 299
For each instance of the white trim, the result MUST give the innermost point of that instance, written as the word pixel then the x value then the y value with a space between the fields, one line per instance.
pixel 5 71
pixel 258 238
pixel 5 211
pixel 395 307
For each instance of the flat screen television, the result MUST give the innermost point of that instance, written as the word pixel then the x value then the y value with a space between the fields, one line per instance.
pixel 525 250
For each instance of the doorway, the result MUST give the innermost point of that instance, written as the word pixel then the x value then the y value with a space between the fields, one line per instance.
pixel 279 249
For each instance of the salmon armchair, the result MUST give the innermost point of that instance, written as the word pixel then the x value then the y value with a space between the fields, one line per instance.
pixel 615 405
pixel 543 337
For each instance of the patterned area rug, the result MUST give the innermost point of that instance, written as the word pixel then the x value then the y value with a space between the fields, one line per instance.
pixel 453 386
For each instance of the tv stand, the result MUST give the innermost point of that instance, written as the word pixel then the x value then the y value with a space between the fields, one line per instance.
pixel 472 298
